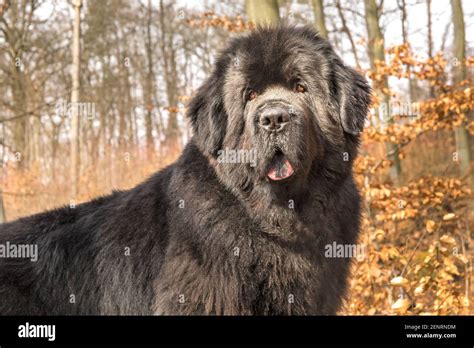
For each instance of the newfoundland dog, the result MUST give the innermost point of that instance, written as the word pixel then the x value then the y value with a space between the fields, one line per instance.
pixel 239 225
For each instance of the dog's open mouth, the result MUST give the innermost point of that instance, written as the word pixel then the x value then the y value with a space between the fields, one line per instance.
pixel 280 168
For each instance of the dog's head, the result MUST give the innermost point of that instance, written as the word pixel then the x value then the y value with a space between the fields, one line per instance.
pixel 279 108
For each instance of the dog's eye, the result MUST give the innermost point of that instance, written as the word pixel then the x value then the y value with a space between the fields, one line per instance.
pixel 251 95
pixel 300 88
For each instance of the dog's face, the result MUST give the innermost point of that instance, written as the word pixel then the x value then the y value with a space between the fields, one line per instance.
pixel 285 100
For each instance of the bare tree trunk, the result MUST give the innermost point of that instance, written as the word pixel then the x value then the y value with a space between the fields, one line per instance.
pixel 346 30
pixel 413 87
pixel 2 207
pixel 125 104
pixel 20 107
pixel 2 210
pixel 335 39
pixel 319 18
pixel 263 12
pixel 54 149
pixel 171 78
pixel 4 7
pixel 377 53
pixel 459 74
pixel 149 85
pixel 74 137
pixel 14 34
pixel 430 39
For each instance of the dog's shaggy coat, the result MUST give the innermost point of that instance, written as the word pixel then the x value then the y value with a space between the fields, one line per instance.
pixel 208 237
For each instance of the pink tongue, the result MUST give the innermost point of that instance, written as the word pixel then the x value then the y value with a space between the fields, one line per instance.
pixel 280 169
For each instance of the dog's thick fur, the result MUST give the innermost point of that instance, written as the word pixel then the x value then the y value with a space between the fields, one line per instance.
pixel 205 237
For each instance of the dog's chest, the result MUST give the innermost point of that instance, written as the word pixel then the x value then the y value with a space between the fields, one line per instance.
pixel 233 265
pixel 252 277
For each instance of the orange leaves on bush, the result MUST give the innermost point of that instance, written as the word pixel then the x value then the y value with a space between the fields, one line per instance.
pixel 414 233
pixel 403 63
pixel 420 198
pixel 414 263
pixel 445 112
pixel 210 19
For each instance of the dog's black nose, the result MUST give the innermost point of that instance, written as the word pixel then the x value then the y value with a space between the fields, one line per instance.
pixel 274 119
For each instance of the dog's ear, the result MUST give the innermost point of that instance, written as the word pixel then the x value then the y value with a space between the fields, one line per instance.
pixel 354 94
pixel 208 117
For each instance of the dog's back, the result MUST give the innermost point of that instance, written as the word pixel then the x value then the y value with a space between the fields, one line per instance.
pixel 88 256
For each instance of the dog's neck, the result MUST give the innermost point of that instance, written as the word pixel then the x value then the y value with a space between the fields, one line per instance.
pixel 288 215
pixel 279 212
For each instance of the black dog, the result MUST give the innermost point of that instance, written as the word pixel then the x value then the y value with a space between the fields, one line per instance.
pixel 240 223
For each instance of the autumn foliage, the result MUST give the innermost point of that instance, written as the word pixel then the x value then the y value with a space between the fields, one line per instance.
pixel 417 234
pixel 210 19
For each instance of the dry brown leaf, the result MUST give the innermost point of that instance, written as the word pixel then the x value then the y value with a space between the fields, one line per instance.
pixel 447 240
pixel 401 305
pixel 449 217
pixel 399 281
pixel 430 226
pixel 420 289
